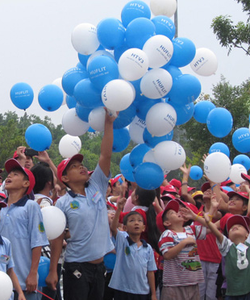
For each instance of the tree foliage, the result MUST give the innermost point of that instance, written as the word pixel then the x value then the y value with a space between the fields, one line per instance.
pixel 232 35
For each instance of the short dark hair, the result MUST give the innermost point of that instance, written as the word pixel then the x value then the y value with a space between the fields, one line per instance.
pixel 43 174
pixel 131 213
pixel 64 173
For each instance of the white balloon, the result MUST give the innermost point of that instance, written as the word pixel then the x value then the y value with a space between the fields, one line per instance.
pixel 99 53
pixel 161 119
pixel 72 124
pixel 149 157
pixel 159 50
pixel 136 129
pixel 118 94
pixel 58 82
pixel 6 286
pixel 156 83
pixel 69 145
pixel 217 167
pixel 133 64
pixel 163 7
pixel 54 221
pixel 235 174
pixel 84 38
pixel 97 118
pixel 205 62
pixel 169 155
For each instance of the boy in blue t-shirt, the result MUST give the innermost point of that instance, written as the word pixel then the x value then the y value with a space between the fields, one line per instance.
pixel 133 276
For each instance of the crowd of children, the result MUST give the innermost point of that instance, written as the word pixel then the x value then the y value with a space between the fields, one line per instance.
pixel 122 242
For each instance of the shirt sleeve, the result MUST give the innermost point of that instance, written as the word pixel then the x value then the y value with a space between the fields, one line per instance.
pixel 224 246
pixel 166 241
pixel 200 231
pixel 98 178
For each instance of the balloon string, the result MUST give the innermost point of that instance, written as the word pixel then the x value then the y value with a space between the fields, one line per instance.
pixel 44 295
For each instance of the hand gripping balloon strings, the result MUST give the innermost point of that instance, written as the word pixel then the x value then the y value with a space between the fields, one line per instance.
pixel 44 295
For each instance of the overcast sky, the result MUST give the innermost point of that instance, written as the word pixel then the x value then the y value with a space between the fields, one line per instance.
pixel 36 41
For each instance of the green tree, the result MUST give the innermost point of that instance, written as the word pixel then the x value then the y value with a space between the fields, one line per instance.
pixel 232 35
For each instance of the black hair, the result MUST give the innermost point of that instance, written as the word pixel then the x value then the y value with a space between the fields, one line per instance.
pixel 26 177
pixel 43 174
pixel 146 198
pixel 131 213
pixel 245 202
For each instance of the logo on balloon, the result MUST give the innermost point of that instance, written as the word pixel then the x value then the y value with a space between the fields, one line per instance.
pixel 136 56
pixel 166 51
pixel 99 70
pixel 160 88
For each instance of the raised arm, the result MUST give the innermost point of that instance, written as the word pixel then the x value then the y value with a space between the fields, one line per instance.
pixel 184 192
pixel 107 144
pixel 213 228
pixel 114 225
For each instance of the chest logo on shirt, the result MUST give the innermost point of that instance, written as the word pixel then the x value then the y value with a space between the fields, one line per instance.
pixel 191 265
pixel 41 227
pixel 74 204
pixel 96 197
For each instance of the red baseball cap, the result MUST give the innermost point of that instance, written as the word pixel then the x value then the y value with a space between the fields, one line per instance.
pixel 225 183
pixel 2 204
pixel 167 196
pixel 64 163
pixel 197 194
pixel 189 205
pixel 2 195
pixel 241 194
pixel 114 180
pixel 15 155
pixel 175 182
pixel 205 186
pixel 168 189
pixel 245 176
pixel 172 204
pixel 12 164
pixel 238 219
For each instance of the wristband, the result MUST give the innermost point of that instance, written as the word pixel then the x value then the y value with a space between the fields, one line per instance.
pixel 184 183
pixel 213 186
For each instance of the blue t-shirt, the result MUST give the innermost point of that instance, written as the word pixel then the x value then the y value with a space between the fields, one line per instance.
pixel 87 221
pixel 132 265
pixel 6 259
pixel 22 224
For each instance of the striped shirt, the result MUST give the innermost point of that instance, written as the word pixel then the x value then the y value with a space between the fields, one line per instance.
pixel 185 269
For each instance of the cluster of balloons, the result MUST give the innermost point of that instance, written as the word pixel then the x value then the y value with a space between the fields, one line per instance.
pixel 133 65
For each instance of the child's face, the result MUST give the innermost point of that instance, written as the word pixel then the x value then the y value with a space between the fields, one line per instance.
pixel 16 181
pixel 173 218
pixel 236 205
pixel 135 224
pixel 76 172
pixel 238 231
pixel 242 187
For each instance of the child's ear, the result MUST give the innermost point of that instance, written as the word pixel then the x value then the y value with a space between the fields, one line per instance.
pixel 166 223
pixel 64 178
pixel 143 229
pixel 26 183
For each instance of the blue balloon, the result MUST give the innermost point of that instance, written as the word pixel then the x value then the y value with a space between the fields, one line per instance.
pixel 50 97
pixel 71 78
pixel 137 154
pixel 121 139
pixel 148 176
pixel 185 89
pixel 83 112
pixel 173 71
pixel 81 66
pixel 43 270
pixel 38 137
pixel 241 140
pixel 219 147
pixel 111 33
pixel 138 32
pixel 220 122
pixel 125 117
pixel 109 260
pixel 152 141
pixel 126 168
pixel 164 26
pixel 143 105
pixel 70 101
pixel 184 52
pixel 242 159
pixel 84 58
pixel 21 95
pixel 87 94
pixel 201 111
pixel 184 112
pixel 101 70
pixel 196 173
pixel 133 10
pixel 119 51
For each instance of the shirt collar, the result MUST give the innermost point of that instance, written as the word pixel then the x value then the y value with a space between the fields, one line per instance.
pixel 1 240
pixel 72 194
pixel 130 242
pixel 20 202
